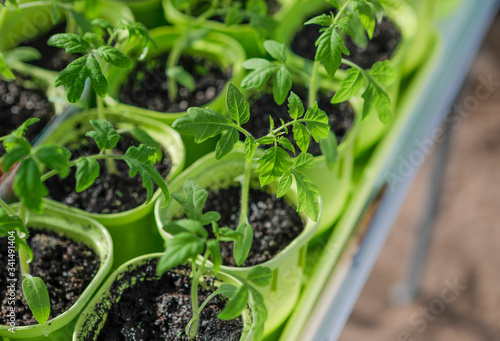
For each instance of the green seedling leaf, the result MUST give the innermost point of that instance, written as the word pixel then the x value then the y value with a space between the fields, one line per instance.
pixel 256 63
pixel 322 20
pixel 143 137
pixel 105 136
pixel 303 162
pixel 284 185
pixel 266 140
pixel 22 54
pixel 71 42
pixel 285 143
pixel 11 223
pixel 226 143
pixel 301 136
pixel 242 248
pixel 102 23
pixel 37 297
pixel 182 77
pixel 29 187
pixel 228 234
pixel 384 73
pixel 317 122
pixel 178 250
pixel 329 149
pixel 349 86
pixel 282 84
pixel 330 46
pixel 308 195
pixel 194 202
pixel 54 158
pixel 365 14
pixel 250 147
pixel 258 77
pixel 97 79
pixel 215 254
pixel 186 225
pixel 376 99
pixel 237 106
pixel 73 77
pixel 259 313
pixel 227 290
pixel 5 70
pixel 260 276
pixel 140 160
pixel 16 154
pixel 87 170
pixel 115 57
pixel 233 16
pixel 273 164
pixel 236 304
pixel 203 123
pixel 55 14
pixel 295 106
pixel 276 50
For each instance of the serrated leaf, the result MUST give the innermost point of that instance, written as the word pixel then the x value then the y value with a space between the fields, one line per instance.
pixel 186 225
pixel 376 99
pixel 5 70
pixel 384 73
pixel 330 46
pixel 182 77
pixel 16 154
pixel 194 200
pixel 303 162
pixel 295 106
pixel 285 143
pixel 99 83
pixel 12 141
pixel 323 20
pixel 215 255
pixel 242 247
pixel 282 84
pixel 236 304
pixel 329 149
pixel 276 50
pixel 229 234
pixel 317 122
pixel 365 14
pixel 349 86
pixel 37 297
pixel 260 276
pixel 71 42
pixel 226 143
pixel 301 136
pixel 284 185
pixel 266 140
pixel 272 165
pixel 178 250
pixel 29 187
pixel 73 77
pixel 255 63
pixel 258 77
pixel 203 123
pixel 237 106
pixel 250 147
pixel 87 170
pixel 143 137
pixel 140 161
pixel 104 135
pixel 54 158
pixel 308 195
pixel 115 57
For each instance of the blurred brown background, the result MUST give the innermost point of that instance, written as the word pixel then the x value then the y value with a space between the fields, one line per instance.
pixel 460 288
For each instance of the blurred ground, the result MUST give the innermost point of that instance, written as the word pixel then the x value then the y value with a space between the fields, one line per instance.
pixel 460 291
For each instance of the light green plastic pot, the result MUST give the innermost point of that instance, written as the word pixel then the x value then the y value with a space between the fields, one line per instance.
pixel 79 229
pixel 95 314
pixel 217 47
pixel 148 12
pixel 287 266
pixel 133 231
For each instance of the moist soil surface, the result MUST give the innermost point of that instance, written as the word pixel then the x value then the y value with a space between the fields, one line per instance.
pixel 18 103
pixel 66 267
pixel 52 58
pixel 381 47
pixel 160 309
pixel 341 116
pixel 111 192
pixel 275 223
pixel 147 85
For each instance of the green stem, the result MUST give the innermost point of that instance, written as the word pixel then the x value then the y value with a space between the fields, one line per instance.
pixel 342 10
pixel 23 255
pixel 305 77
pixel 313 85
pixel 245 190
pixel 110 163
pixel 194 291
pixel 173 60
pixel 7 208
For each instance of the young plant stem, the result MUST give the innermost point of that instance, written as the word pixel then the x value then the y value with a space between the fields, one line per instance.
pixel 245 191
pixel 313 84
pixel 197 273
pixel 23 255
pixel 173 60
pixel 7 208
pixel 110 163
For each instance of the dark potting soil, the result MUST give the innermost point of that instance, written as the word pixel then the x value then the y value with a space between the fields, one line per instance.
pixel 341 116
pixel 147 85
pixel 381 47
pixel 66 267
pixel 275 223
pixel 111 193
pixel 160 309
pixel 18 103
pixel 52 58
